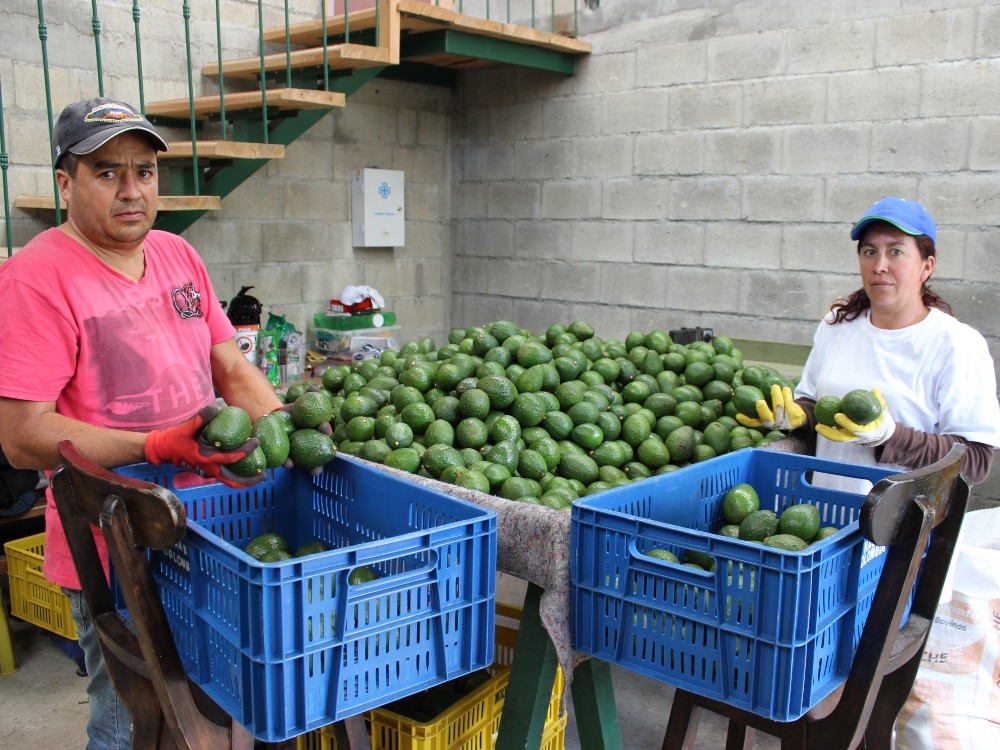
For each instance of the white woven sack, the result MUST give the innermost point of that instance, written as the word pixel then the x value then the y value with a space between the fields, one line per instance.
pixel 955 702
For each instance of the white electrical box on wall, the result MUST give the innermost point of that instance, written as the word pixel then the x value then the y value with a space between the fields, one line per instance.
pixel 377 208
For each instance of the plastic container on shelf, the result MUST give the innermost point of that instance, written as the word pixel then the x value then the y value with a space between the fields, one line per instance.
pixel 770 631
pixel 290 646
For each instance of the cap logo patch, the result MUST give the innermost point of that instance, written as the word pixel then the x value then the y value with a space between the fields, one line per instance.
pixel 112 112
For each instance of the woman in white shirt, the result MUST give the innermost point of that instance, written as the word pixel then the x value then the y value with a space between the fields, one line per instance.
pixel 897 337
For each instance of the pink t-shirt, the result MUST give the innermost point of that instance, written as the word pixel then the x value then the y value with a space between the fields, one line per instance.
pixel 108 350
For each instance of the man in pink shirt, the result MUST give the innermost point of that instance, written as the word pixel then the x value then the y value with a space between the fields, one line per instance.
pixel 113 338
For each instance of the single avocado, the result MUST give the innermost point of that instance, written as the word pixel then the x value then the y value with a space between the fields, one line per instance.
pixel 270 431
pixel 252 464
pixel 309 448
pixel 229 429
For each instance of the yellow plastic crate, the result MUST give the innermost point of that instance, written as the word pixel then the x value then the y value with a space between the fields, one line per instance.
pixel 32 598
pixel 471 723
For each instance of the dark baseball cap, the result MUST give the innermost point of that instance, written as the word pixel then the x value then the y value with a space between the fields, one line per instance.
pixel 907 216
pixel 85 126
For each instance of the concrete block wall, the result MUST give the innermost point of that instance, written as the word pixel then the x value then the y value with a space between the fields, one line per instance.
pixel 705 164
pixel 287 230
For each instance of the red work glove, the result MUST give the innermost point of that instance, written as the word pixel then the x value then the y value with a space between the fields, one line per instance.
pixel 184 447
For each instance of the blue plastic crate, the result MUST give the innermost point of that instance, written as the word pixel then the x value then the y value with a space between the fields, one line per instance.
pixel 770 631
pixel 291 646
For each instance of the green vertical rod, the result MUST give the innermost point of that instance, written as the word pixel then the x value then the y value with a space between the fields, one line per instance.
pixel 218 57
pixel 138 54
pixel 576 11
pixel 347 20
pixel 95 24
pixel 288 50
pixel 508 11
pixel 3 167
pixel 263 71
pixel 552 20
pixel 487 10
pixel 532 13
pixel 194 132
pixel 326 59
pixel 43 35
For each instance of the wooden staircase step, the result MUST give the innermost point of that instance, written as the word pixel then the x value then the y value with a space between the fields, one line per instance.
pixel 310 33
pixel 416 16
pixel 338 57
pixel 166 202
pixel 283 99
pixel 223 150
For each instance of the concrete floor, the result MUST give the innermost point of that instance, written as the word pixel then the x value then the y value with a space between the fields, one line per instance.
pixel 44 703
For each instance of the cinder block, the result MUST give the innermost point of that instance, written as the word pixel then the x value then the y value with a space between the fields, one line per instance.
pixel 741 151
pixel 493 161
pixel 637 111
pixel 964 87
pixel 570 282
pixel 514 278
pixel 258 199
pixel 745 56
pixel 924 38
pixel 295 242
pixel 670 153
pixel 781 101
pixel 984 145
pixel 848 196
pixel 600 240
pixel 982 256
pixel 920 146
pixel 542 160
pixel 513 200
pixel 219 242
pixel 433 128
pixel 672 65
pixel 638 199
pixel 544 239
pixel 786 295
pixel 988 39
pixel 820 247
pixel 868 95
pixel 522 120
pixel 830 47
pixel 570 117
pixel 670 242
pixel 599 74
pixel 634 285
pixel 783 198
pixel 703 289
pixel 712 106
pixel 708 198
pixel 486 238
pixel 610 156
pixel 469 275
pixel 426 202
pixel 973 304
pixel 819 149
pixel 314 199
pixel 571 199
pixel 959 198
pixel 739 244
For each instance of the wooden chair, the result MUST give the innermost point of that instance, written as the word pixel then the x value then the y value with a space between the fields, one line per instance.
pixel 900 512
pixel 168 710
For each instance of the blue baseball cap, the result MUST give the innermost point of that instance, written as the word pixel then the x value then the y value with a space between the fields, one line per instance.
pixel 907 216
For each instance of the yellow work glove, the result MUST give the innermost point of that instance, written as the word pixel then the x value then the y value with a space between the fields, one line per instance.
pixel 869 435
pixel 783 414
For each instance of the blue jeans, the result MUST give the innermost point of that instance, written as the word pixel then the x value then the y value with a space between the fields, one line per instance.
pixel 110 725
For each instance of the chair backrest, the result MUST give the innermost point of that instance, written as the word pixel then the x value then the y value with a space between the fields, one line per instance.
pixel 143 661
pixel 908 514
